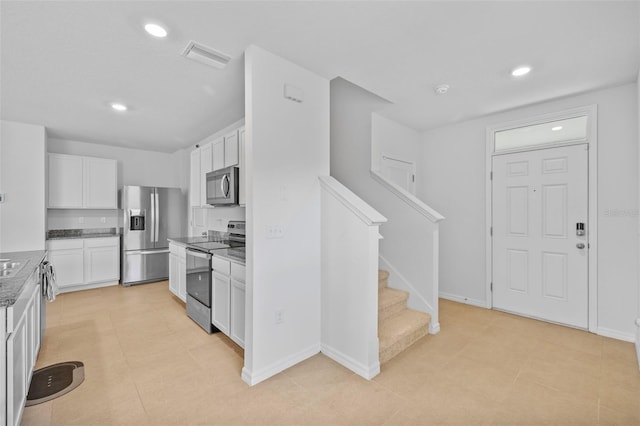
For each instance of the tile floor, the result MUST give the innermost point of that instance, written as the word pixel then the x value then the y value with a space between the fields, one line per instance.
pixel 147 363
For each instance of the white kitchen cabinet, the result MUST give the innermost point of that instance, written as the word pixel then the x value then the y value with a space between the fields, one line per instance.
pixel 100 183
pixel 220 297
pixel 67 257
pixel 66 181
pixel 194 179
pixel 238 298
pixel 22 332
pixel 178 271
pixel 206 165
pixel 218 154
pixel 77 182
pixel 101 260
pixel 242 179
pixel 231 149
pixel 228 298
pixel 83 263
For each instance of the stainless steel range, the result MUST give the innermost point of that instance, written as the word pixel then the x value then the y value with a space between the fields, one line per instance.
pixel 199 271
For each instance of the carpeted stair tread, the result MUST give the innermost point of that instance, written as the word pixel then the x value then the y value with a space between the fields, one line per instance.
pixel 400 331
pixel 383 277
pixel 390 302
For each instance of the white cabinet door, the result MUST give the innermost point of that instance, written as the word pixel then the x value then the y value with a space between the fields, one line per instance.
pixel 231 149
pixel 101 260
pixel 237 312
pixel 100 183
pixel 173 273
pixel 194 179
pixel 242 182
pixel 69 266
pixel 218 154
pixel 17 371
pixel 206 165
pixel 65 181
pixel 220 301
pixel 182 279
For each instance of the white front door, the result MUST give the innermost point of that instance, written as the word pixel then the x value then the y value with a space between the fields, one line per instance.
pixel 399 171
pixel 540 263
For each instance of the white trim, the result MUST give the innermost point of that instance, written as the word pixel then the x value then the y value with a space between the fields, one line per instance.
pixel 367 372
pixel 252 378
pixel 434 327
pixel 461 299
pixel 615 334
pixel 391 157
pixel 638 340
pixel 362 210
pixel 408 198
pixel 591 111
pixel 78 287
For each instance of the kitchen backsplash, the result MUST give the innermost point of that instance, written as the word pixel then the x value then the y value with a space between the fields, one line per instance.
pixel 218 218
pixel 83 219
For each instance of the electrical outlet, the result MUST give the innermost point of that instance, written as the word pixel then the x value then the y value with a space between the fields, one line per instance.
pixel 81 220
pixel 275 231
pixel 103 220
pixel 279 316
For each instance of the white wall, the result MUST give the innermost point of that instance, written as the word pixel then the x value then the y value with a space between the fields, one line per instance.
pixel 135 167
pixel 453 179
pixel 287 148
pixel 392 138
pixel 22 182
pixel 407 247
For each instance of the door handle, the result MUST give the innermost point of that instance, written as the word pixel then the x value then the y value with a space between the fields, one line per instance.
pixel 580 246
pixel 225 187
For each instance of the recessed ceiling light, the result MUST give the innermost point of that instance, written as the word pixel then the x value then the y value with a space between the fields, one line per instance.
pixel 155 30
pixel 556 128
pixel 441 89
pixel 118 106
pixel 520 71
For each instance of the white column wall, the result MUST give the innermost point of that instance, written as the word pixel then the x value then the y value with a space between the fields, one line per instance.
pixel 22 182
pixel 287 148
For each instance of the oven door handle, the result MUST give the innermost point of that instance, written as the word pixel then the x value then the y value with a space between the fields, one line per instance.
pixel 147 251
pixel 198 253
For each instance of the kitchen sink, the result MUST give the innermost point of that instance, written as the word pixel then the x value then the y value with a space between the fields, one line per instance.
pixel 9 268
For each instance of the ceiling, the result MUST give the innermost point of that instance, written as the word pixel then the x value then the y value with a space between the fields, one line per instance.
pixel 62 63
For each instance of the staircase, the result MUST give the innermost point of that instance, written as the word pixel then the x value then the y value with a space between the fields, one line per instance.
pixel 398 326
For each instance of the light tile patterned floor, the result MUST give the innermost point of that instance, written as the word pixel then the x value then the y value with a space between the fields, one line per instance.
pixel 147 363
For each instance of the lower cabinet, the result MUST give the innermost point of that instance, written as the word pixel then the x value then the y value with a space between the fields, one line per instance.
pixel 228 298
pixel 85 262
pixel 178 271
pixel 22 334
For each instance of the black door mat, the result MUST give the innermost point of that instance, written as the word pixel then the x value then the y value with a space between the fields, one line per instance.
pixel 53 381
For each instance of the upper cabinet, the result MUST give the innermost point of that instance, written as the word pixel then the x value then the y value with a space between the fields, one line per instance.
pixel 77 182
pixel 218 154
pixel 195 178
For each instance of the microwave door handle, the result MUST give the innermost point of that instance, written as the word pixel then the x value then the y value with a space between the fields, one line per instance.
pixel 225 188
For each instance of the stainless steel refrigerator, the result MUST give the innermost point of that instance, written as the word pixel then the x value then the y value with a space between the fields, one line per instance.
pixel 150 216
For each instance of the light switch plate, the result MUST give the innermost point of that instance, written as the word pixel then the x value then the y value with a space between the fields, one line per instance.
pixel 1 197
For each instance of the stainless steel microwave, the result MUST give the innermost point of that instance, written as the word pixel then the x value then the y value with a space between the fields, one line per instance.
pixel 222 187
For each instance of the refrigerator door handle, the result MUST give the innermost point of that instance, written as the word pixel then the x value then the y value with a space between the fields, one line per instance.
pixel 153 218
pixel 157 219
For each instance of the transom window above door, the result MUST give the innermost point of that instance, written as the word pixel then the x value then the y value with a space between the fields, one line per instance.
pixel 553 132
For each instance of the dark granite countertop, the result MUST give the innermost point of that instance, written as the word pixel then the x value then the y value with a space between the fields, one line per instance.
pixel 235 255
pixel 65 234
pixel 11 287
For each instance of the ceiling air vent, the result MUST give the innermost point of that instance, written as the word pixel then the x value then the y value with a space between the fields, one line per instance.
pixel 206 55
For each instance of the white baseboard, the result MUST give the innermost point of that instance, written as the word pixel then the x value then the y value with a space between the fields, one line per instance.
pixel 615 334
pixel 367 372
pixel 252 378
pixel 86 286
pixel 461 299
